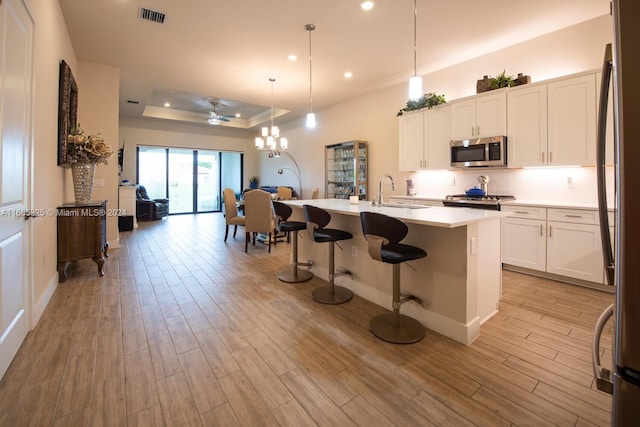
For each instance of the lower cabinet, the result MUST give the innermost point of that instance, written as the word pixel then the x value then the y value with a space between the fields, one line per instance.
pixel 563 242
pixel 82 233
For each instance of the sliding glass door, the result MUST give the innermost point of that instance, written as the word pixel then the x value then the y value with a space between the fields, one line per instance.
pixel 192 179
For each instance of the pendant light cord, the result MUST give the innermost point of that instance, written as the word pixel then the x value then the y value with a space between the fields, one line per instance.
pixel 309 28
pixel 415 38
pixel 272 80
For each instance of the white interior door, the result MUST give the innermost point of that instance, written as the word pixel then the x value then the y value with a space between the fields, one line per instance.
pixel 16 74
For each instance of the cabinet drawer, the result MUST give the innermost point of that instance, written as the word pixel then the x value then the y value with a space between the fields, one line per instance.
pixel 530 212
pixel 578 216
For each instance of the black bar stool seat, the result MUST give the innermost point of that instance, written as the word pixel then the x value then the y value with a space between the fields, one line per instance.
pixel 317 219
pixel 295 275
pixel 383 234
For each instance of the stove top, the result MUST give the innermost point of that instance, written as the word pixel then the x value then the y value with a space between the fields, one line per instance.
pixel 490 201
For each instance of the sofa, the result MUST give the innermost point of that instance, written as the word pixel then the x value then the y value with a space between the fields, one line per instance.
pixel 148 209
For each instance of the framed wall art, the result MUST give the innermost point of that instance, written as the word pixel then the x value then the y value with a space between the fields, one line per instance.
pixel 67 109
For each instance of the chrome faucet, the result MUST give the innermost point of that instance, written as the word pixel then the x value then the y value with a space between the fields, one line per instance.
pixel 379 200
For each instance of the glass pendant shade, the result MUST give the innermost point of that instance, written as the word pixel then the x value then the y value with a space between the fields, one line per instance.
pixel 311 120
pixel 415 88
pixel 270 135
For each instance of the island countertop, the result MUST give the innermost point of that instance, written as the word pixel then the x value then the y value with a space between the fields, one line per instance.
pixel 434 216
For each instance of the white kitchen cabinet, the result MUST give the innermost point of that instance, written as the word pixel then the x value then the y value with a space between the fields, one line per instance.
pixel 571 114
pixel 527 125
pixel 566 243
pixel 479 116
pixel 575 250
pixel 424 139
pixel 524 238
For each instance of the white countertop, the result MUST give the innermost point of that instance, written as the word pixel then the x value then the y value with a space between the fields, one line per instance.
pixel 426 215
pixel 518 202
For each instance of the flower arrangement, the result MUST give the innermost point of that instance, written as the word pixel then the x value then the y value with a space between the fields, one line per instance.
pixel 83 148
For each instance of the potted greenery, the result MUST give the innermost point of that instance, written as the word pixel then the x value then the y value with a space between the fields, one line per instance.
pixel 254 182
pixel 428 100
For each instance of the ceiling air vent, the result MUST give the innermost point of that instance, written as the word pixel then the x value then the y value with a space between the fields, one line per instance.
pixel 151 15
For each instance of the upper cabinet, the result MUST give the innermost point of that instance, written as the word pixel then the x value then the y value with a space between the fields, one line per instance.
pixel 552 124
pixel 572 121
pixel 527 126
pixel 424 139
pixel 480 116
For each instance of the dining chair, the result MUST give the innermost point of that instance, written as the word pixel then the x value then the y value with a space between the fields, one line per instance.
pixel 231 216
pixel 259 216
pixel 314 195
pixel 284 193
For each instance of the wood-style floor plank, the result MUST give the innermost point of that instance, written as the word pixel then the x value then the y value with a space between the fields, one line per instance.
pixel 185 329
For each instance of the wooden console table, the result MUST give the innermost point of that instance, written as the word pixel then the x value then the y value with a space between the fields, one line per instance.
pixel 82 233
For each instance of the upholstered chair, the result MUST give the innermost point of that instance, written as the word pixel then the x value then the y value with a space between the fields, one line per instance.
pixel 284 193
pixel 148 208
pixel 231 212
pixel 314 195
pixel 259 216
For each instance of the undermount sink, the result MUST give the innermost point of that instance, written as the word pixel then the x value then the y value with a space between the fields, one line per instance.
pixel 400 205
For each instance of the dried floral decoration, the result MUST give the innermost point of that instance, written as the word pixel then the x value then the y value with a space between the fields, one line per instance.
pixel 83 148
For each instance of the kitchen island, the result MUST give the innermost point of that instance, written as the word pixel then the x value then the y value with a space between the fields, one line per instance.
pixel 459 281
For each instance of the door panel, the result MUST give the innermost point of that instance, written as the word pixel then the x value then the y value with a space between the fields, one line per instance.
pixel 16 74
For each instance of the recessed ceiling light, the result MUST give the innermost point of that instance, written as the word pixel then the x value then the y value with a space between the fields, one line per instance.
pixel 348 75
pixel 238 115
pixel 292 57
pixel 366 5
pixel 167 104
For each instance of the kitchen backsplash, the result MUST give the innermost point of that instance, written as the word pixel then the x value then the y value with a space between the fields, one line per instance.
pixel 570 184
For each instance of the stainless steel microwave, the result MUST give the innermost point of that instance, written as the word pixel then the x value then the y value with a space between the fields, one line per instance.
pixel 481 152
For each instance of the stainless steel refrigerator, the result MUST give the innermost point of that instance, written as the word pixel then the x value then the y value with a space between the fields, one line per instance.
pixel 621 68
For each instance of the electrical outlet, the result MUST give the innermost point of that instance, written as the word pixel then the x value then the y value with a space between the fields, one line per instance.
pixel 453 182
pixel 98 182
pixel 44 258
pixel 569 180
pixel 354 251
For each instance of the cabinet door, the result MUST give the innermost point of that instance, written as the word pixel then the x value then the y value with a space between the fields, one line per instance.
pixel 437 131
pixel 411 141
pixel 575 250
pixel 524 243
pixel 572 121
pixel 463 119
pixel 527 126
pixel 491 114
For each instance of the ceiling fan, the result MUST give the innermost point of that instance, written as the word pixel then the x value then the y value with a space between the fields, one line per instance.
pixel 214 117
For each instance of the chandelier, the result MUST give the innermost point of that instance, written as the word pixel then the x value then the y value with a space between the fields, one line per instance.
pixel 270 138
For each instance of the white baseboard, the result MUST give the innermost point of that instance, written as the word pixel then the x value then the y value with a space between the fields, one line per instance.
pixel 40 305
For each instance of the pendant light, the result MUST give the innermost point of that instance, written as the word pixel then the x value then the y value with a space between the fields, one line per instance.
pixel 415 82
pixel 311 117
pixel 270 138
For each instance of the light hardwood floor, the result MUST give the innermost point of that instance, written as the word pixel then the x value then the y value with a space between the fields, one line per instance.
pixel 187 330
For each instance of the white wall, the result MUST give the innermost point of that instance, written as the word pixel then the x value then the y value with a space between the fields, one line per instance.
pixel 51 44
pixel 373 118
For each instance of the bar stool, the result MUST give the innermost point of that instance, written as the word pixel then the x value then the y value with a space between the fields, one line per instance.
pixel 283 212
pixel 317 219
pixel 383 234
